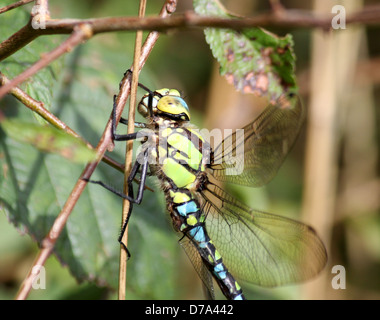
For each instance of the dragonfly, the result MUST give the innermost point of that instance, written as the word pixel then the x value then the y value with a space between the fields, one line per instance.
pixel 224 239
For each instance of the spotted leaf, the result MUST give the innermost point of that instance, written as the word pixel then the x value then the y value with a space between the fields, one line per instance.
pixel 253 60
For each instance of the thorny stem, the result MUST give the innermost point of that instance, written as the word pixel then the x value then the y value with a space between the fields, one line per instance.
pixel 58 225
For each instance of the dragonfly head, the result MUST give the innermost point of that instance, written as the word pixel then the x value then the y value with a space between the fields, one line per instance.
pixel 166 103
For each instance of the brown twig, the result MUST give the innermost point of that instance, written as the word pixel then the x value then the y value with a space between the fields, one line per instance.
pixel 14 5
pixel 80 34
pixel 129 155
pixel 277 6
pixel 289 18
pixel 59 223
pixel 38 107
pixel 42 8
pixel 38 17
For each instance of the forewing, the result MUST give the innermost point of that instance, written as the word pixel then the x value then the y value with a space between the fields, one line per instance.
pixel 259 247
pixel 253 157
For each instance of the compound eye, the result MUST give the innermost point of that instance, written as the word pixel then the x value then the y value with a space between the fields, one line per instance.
pixel 144 108
pixel 174 106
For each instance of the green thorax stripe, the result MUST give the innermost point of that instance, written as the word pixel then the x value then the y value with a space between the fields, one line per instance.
pixel 180 155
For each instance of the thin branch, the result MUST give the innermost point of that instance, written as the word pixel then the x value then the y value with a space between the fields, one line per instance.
pixel 17 41
pixel 292 18
pixel 43 6
pixel 38 17
pixel 129 154
pixel 38 107
pixel 80 34
pixel 40 13
pixel 288 18
pixel 277 6
pixel 14 5
pixel 49 241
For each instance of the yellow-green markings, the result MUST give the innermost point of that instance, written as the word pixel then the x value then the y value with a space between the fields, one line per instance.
pixel 191 220
pixel 179 197
pixel 178 173
pixel 180 142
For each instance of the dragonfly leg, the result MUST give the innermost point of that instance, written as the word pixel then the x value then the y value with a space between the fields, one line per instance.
pixel 135 169
pixel 120 137
pixel 139 198
pixel 130 197
pixel 137 124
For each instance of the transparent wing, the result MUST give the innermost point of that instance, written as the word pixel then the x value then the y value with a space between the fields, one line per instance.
pixel 199 266
pixel 259 247
pixel 253 157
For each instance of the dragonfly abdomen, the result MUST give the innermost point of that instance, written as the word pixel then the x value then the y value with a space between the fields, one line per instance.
pixel 185 209
pixel 225 280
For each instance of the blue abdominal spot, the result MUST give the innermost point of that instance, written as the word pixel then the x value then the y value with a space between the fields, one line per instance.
pixel 187 208
pixel 199 236
pixel 219 271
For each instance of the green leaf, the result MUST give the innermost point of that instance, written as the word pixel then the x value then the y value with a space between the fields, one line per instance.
pixel 34 186
pixel 253 60
pixel 40 86
pixel 49 139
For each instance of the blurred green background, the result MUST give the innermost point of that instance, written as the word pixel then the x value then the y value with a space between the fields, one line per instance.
pixel 158 269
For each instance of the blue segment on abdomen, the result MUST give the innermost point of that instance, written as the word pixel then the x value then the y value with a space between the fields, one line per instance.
pixel 187 208
pixel 198 235
pixel 220 271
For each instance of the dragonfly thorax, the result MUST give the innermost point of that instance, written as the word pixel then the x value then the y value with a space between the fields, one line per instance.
pixel 165 103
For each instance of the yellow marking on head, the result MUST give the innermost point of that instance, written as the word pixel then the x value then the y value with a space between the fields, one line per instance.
pixel 174 106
